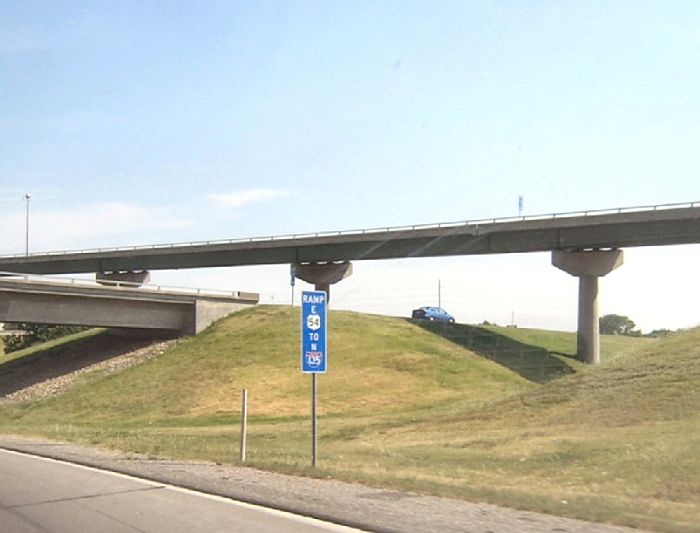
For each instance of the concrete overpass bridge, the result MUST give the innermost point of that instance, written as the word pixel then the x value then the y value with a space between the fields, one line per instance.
pixel 590 230
pixel 585 244
pixel 40 300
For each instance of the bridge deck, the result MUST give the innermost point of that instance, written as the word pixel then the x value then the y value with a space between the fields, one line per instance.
pixel 656 226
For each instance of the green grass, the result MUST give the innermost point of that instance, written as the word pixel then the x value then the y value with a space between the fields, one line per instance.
pixel 564 343
pixel 502 415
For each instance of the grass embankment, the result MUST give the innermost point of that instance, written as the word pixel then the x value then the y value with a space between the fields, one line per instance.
pixel 494 414
pixel 43 347
pixel 54 366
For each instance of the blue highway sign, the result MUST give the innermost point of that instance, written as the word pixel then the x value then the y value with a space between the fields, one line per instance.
pixel 313 332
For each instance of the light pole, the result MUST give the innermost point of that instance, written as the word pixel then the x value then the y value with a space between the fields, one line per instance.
pixel 26 198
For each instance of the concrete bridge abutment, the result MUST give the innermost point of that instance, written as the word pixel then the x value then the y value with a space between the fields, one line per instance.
pixel 588 267
pixel 323 275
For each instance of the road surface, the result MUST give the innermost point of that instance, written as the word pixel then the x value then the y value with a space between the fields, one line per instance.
pixel 45 495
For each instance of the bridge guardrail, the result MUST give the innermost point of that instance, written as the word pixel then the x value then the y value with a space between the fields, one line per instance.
pixel 117 284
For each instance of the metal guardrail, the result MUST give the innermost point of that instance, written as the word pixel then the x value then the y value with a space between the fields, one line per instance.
pixel 295 236
pixel 185 291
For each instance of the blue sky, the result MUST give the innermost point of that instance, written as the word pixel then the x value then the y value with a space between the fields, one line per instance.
pixel 145 122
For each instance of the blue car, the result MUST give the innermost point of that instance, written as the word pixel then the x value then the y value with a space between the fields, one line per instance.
pixel 433 314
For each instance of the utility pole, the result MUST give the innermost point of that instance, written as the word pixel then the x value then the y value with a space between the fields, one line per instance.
pixel 439 294
pixel 26 198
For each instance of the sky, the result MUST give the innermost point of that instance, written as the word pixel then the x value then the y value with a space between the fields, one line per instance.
pixel 148 122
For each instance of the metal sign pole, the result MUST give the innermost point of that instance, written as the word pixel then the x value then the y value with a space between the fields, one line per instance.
pixel 244 422
pixel 314 434
pixel 293 276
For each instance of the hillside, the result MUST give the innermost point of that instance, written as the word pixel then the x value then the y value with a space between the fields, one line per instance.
pixel 496 414
pixel 375 363
pixel 619 442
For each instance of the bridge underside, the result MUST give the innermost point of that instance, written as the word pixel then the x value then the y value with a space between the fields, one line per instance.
pixel 45 303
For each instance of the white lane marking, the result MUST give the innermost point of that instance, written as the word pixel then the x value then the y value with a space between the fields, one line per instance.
pixel 230 501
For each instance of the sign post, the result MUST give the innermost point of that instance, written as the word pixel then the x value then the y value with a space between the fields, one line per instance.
pixel 313 349
pixel 292 279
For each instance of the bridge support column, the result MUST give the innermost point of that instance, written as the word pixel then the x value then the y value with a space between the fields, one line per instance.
pixel 588 267
pixel 127 279
pixel 323 275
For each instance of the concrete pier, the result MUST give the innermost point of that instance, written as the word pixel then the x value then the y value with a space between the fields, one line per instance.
pixel 323 275
pixel 588 267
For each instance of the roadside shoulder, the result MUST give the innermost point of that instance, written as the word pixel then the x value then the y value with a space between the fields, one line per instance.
pixel 347 504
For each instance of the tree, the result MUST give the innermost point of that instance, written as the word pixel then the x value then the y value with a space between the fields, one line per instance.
pixel 616 325
pixel 659 333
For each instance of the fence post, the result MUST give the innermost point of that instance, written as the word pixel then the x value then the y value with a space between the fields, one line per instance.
pixel 244 422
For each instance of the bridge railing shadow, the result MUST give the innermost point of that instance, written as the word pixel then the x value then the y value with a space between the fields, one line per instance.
pixel 533 363
pixel 18 374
